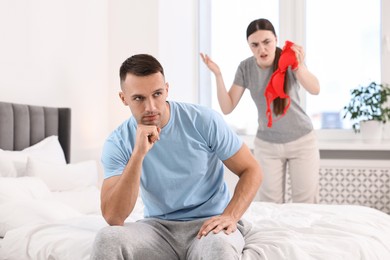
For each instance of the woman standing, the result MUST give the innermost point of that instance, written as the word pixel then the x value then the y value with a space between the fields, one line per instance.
pixel 289 142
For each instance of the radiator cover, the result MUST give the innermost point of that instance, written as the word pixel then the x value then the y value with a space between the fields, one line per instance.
pixel 357 182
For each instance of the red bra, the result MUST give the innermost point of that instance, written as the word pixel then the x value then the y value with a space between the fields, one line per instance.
pixel 274 88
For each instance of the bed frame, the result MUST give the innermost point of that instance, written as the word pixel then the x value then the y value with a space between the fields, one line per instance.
pixel 24 125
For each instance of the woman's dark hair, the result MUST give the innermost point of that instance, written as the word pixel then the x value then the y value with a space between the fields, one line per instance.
pixel 140 65
pixel 264 24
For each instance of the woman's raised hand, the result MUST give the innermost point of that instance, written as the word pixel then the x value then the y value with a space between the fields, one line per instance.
pixel 210 64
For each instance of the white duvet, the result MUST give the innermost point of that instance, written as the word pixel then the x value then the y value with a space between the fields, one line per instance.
pixel 46 215
pixel 287 231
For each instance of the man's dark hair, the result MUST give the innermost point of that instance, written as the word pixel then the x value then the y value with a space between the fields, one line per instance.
pixel 140 65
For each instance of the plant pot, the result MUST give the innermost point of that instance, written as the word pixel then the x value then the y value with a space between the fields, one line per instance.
pixel 371 131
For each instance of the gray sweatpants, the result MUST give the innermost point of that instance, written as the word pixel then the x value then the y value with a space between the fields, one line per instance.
pixel 150 239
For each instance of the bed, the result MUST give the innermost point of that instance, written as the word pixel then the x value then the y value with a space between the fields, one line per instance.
pixel 45 214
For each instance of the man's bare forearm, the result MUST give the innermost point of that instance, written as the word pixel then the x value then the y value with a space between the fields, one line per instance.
pixel 119 198
pixel 244 193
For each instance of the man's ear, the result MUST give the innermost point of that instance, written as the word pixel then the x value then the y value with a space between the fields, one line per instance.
pixel 122 97
pixel 167 87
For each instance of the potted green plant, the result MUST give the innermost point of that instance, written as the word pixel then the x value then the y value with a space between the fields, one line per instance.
pixel 368 104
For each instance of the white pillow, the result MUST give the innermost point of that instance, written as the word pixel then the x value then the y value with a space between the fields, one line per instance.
pixel 18 213
pixel 64 177
pixel 7 168
pixel 86 201
pixel 23 188
pixel 48 150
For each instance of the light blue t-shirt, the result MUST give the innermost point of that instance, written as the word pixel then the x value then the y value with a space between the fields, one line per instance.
pixel 182 175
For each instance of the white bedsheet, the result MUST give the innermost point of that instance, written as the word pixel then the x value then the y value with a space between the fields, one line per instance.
pixel 68 239
pixel 287 231
pixel 306 231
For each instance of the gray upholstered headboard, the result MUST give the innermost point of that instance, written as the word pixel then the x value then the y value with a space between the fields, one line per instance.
pixel 24 125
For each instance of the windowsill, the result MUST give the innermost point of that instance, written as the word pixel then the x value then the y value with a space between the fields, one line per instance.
pixel 339 144
pixel 347 140
pixel 354 145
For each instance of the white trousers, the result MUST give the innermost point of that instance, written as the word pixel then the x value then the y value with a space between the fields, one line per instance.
pixel 300 157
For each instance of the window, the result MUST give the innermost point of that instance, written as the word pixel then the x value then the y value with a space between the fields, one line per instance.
pixel 228 47
pixel 343 49
pixel 342 40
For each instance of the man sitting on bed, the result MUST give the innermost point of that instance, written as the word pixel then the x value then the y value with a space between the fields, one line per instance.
pixel 174 153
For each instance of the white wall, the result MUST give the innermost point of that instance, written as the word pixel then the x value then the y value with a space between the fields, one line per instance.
pixel 160 29
pixel 386 54
pixel 54 53
pixel 68 53
pixel 178 48
pixel 132 29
